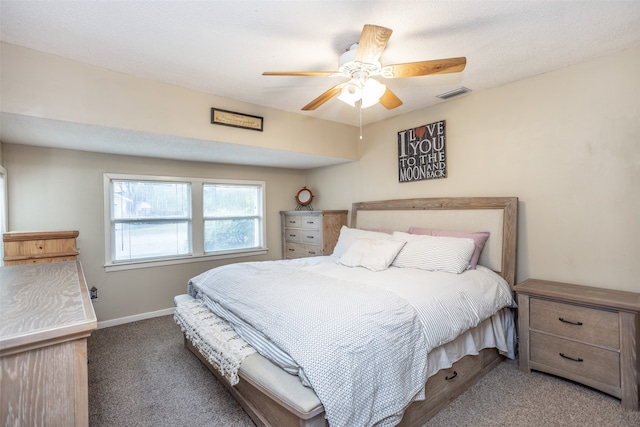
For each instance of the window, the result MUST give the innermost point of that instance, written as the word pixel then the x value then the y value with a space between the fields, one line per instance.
pixel 165 220
pixel 232 217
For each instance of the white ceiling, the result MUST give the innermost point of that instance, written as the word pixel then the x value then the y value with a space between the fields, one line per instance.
pixel 222 47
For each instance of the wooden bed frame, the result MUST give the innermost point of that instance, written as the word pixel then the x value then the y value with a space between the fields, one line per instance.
pixel 499 214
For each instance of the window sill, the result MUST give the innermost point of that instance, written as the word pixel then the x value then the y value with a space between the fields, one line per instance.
pixel 133 265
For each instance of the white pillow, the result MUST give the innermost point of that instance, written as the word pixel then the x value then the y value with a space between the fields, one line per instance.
pixel 434 253
pixel 373 254
pixel 349 235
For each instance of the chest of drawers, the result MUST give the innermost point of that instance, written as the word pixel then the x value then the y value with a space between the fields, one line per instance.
pixel 310 233
pixel 582 333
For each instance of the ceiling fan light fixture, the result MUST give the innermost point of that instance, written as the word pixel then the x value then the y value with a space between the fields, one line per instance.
pixel 372 92
pixel 351 93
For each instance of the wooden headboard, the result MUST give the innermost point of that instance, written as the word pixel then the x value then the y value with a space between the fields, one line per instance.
pixel 497 215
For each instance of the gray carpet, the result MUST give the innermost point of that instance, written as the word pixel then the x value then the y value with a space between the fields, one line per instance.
pixel 141 375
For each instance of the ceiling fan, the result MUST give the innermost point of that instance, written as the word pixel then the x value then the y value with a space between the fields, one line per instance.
pixel 361 62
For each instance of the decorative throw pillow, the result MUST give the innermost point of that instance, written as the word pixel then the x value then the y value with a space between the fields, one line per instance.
pixel 479 238
pixel 373 254
pixel 434 253
pixel 349 235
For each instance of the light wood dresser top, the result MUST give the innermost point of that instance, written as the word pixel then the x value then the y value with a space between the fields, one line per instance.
pixel 41 304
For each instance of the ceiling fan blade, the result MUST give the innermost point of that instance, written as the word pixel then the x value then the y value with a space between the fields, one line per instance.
pixel 323 98
pixel 424 68
pixel 389 100
pixel 299 73
pixel 372 42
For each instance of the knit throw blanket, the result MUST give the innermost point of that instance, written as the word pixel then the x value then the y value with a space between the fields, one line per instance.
pixel 213 337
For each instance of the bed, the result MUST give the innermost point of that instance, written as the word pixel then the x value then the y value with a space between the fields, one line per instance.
pixel 279 392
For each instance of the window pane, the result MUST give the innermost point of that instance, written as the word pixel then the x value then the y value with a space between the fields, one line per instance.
pixel 224 235
pixel 225 200
pixel 137 240
pixel 140 199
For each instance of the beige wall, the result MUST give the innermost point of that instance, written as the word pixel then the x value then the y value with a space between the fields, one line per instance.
pixel 52 189
pixel 566 143
pixel 41 85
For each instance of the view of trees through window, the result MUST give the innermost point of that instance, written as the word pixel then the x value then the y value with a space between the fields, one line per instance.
pixel 232 216
pixel 150 219
pixel 154 219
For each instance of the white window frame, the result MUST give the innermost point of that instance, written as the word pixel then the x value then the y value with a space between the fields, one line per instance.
pixel 196 229
pixel 4 209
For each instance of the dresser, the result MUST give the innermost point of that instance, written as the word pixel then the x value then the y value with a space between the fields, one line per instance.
pixel 310 233
pixel 46 317
pixel 585 334
pixel 39 247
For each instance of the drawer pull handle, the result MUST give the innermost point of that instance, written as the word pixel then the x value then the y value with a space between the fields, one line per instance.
pixel 570 322
pixel 310 237
pixel 575 359
pixel 455 374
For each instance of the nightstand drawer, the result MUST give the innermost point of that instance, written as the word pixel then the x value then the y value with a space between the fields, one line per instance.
pixel 312 250
pixel 299 250
pixel 309 236
pixel 579 359
pixel 292 221
pixel 293 235
pixel 589 325
pixel 294 250
pixel 311 222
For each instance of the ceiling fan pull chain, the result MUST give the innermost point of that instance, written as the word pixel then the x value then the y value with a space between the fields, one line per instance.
pixel 360 112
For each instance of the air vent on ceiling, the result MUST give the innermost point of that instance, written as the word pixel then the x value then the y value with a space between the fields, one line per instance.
pixel 452 93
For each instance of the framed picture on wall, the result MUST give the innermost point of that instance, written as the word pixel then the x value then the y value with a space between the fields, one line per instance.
pixel 422 153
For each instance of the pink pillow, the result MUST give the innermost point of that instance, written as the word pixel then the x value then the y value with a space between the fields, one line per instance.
pixel 479 238
pixel 380 230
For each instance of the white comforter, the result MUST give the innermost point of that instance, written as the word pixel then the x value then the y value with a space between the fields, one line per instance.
pixel 361 337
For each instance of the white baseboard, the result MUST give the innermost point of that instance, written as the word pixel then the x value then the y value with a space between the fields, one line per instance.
pixel 135 318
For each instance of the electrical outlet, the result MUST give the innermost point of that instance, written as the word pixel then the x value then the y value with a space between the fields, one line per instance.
pixel 93 292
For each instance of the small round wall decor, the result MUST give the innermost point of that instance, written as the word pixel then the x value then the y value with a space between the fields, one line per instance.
pixel 304 198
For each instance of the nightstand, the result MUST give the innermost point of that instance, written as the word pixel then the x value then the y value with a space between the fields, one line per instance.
pixel 582 333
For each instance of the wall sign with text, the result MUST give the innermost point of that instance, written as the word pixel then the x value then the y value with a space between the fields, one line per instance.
pixel 421 153
pixel 236 120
